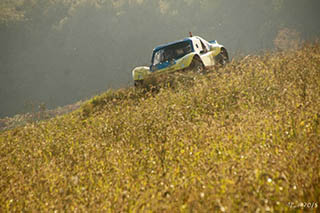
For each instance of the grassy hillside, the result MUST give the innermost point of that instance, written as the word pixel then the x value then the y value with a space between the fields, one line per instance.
pixel 245 138
pixel 38 113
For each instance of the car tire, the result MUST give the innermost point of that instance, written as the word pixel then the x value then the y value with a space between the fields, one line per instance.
pixel 223 58
pixel 197 65
pixel 138 83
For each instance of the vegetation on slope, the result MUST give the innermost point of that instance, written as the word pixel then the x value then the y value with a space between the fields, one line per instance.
pixel 241 139
pixel 36 115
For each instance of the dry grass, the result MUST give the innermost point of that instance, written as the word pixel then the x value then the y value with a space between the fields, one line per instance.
pixel 36 116
pixel 245 138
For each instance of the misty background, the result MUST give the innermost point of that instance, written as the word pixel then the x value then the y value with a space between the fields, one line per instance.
pixel 58 52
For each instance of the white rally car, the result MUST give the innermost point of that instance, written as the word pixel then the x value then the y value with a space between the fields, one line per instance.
pixel 190 53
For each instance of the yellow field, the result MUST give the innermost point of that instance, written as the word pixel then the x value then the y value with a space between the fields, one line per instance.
pixel 244 138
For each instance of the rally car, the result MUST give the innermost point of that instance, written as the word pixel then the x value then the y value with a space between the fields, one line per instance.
pixel 192 52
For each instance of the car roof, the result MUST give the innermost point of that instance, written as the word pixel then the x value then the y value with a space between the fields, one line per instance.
pixel 174 42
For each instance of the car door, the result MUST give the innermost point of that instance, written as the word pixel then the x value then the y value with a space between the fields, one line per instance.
pixel 205 54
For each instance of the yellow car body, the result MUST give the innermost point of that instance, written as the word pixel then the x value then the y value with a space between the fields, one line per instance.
pixel 197 48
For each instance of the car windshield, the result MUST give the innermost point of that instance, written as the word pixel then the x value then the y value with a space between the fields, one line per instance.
pixel 174 51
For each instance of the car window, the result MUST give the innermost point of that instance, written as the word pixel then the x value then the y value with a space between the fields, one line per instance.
pixel 158 57
pixel 173 51
pixel 204 47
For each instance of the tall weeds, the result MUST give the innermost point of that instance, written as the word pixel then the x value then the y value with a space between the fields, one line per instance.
pixel 244 138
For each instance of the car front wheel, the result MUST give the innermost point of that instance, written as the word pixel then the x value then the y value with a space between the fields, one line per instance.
pixel 138 83
pixel 223 58
pixel 197 66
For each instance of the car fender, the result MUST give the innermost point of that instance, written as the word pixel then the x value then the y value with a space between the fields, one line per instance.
pixel 139 73
pixel 187 60
pixel 179 64
pixel 216 49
